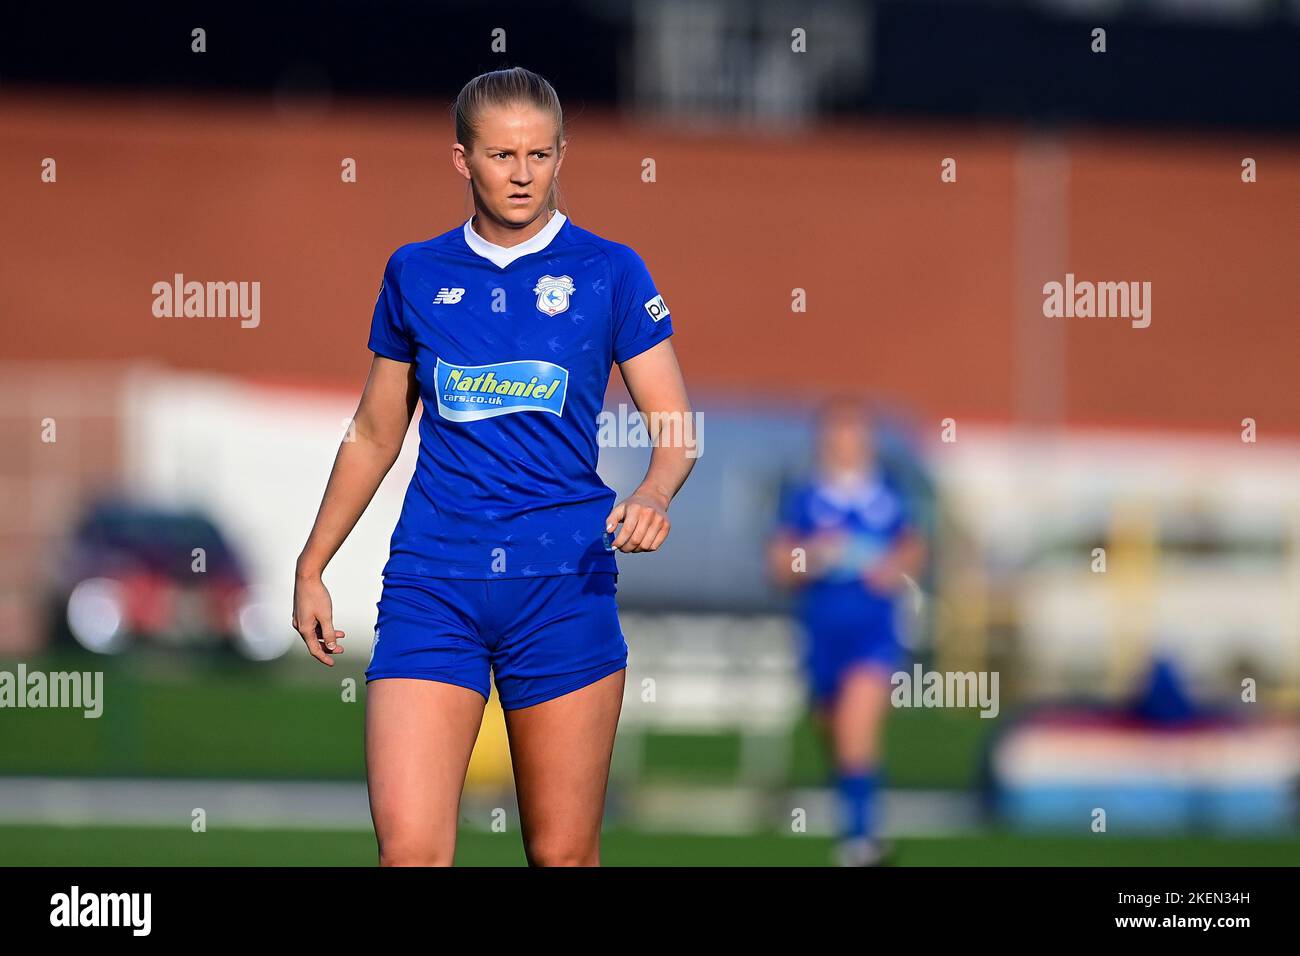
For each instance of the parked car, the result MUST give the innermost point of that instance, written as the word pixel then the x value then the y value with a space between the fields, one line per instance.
pixel 137 572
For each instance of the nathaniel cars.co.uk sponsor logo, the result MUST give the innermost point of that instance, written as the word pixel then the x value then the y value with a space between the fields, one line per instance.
pixel 468 393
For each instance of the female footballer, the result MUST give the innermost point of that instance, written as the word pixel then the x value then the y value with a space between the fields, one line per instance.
pixel 502 562
pixel 845 543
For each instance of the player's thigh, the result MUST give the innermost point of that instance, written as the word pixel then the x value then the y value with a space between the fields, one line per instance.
pixel 561 751
pixel 419 737
pixel 428 681
pixel 858 712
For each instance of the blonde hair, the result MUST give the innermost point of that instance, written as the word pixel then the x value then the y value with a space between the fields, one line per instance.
pixel 513 87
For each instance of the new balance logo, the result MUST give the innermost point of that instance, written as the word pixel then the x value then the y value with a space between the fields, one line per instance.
pixel 448 296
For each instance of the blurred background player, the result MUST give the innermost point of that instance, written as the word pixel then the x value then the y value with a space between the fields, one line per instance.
pixel 845 544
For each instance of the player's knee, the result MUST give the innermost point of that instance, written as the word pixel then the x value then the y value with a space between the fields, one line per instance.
pixel 856 755
pixel 563 853
pixel 414 852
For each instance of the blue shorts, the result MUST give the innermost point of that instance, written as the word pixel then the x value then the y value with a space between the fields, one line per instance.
pixel 842 628
pixel 538 637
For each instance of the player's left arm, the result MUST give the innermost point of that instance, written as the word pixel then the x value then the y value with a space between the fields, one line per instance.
pixel 905 559
pixel 654 380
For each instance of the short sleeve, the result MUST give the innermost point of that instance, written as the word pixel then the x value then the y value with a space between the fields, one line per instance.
pixel 641 317
pixel 388 333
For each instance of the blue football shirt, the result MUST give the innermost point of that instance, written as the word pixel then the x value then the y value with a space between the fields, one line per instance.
pixel 512 349
pixel 870 513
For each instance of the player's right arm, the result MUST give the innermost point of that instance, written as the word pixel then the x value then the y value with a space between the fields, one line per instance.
pixel 795 559
pixel 783 560
pixel 797 554
pixel 364 457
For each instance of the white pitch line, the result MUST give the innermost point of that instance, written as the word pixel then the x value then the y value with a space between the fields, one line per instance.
pixel 274 804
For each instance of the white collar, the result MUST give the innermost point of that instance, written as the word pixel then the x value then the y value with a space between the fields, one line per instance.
pixel 502 256
pixel 854 492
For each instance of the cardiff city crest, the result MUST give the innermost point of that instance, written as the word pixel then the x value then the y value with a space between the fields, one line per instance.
pixel 553 294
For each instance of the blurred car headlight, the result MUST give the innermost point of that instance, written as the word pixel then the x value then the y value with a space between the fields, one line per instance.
pixel 259 637
pixel 97 615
